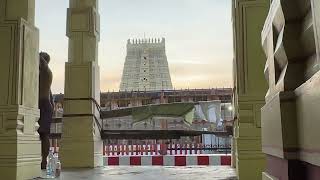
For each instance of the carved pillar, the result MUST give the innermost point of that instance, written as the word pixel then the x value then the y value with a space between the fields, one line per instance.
pixel 81 141
pixel 19 76
pixel 290 118
pixel 250 86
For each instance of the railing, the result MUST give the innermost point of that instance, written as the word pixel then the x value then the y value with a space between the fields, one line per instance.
pixel 146 149
pixel 100 125
pixel 156 149
pixel 143 149
pixel 164 149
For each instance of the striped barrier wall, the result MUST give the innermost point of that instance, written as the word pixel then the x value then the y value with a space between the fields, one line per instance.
pixel 160 149
pixel 169 160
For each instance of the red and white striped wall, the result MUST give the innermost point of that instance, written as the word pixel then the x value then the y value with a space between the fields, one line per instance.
pixel 169 160
pixel 158 149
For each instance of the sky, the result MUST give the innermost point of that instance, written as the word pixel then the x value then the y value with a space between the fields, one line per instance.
pixel 198 38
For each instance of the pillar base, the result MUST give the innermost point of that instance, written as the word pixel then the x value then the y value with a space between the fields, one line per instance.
pixel 250 161
pixel 20 147
pixel 29 170
pixel 81 145
pixel 250 166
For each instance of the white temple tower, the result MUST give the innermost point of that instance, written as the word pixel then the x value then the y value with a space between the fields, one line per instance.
pixel 146 66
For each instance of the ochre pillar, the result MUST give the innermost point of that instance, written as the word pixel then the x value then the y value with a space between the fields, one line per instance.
pixel 81 144
pixel 250 86
pixel 19 76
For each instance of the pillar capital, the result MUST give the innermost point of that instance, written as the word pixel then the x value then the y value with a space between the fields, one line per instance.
pixel 84 3
pixel 83 30
pixel 83 20
pixel 9 10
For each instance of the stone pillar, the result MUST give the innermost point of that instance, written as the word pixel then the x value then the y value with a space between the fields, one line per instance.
pixel 19 76
pixel 81 144
pixel 290 117
pixel 250 86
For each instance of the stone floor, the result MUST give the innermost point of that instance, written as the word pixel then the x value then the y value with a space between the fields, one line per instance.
pixel 151 173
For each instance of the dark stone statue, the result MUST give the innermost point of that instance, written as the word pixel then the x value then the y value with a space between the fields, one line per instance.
pixel 45 105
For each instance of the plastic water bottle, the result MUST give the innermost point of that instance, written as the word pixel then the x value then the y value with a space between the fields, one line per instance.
pixel 50 165
pixel 58 168
pixel 56 159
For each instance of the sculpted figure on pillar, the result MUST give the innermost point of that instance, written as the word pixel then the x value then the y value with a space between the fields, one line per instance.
pixel 45 105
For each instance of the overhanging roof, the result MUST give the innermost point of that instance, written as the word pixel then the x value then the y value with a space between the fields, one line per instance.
pixel 154 110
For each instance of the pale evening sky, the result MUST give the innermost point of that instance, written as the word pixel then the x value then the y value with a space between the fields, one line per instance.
pixel 198 38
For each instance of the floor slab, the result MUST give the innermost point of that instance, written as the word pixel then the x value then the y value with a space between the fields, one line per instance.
pixel 151 173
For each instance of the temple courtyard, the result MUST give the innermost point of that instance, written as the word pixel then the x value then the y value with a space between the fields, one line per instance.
pixel 151 172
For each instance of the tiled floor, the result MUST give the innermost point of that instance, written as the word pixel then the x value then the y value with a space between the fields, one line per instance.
pixel 151 173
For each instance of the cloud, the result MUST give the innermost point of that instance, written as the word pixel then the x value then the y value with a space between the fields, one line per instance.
pixel 189 61
pixel 201 75
pixel 110 81
pixel 214 68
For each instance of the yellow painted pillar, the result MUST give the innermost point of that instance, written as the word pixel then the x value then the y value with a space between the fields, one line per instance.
pixel 81 144
pixel 19 76
pixel 250 86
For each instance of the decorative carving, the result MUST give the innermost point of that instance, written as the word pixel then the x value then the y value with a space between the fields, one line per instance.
pixel 293 47
pixel 289 41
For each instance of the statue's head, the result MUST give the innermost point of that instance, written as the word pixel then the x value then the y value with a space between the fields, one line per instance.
pixel 45 56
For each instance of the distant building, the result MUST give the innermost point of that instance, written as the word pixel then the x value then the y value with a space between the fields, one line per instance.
pixel 125 99
pixel 146 66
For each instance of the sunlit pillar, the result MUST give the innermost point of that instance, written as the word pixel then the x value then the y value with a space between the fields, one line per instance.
pixel 250 86
pixel 19 71
pixel 81 144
